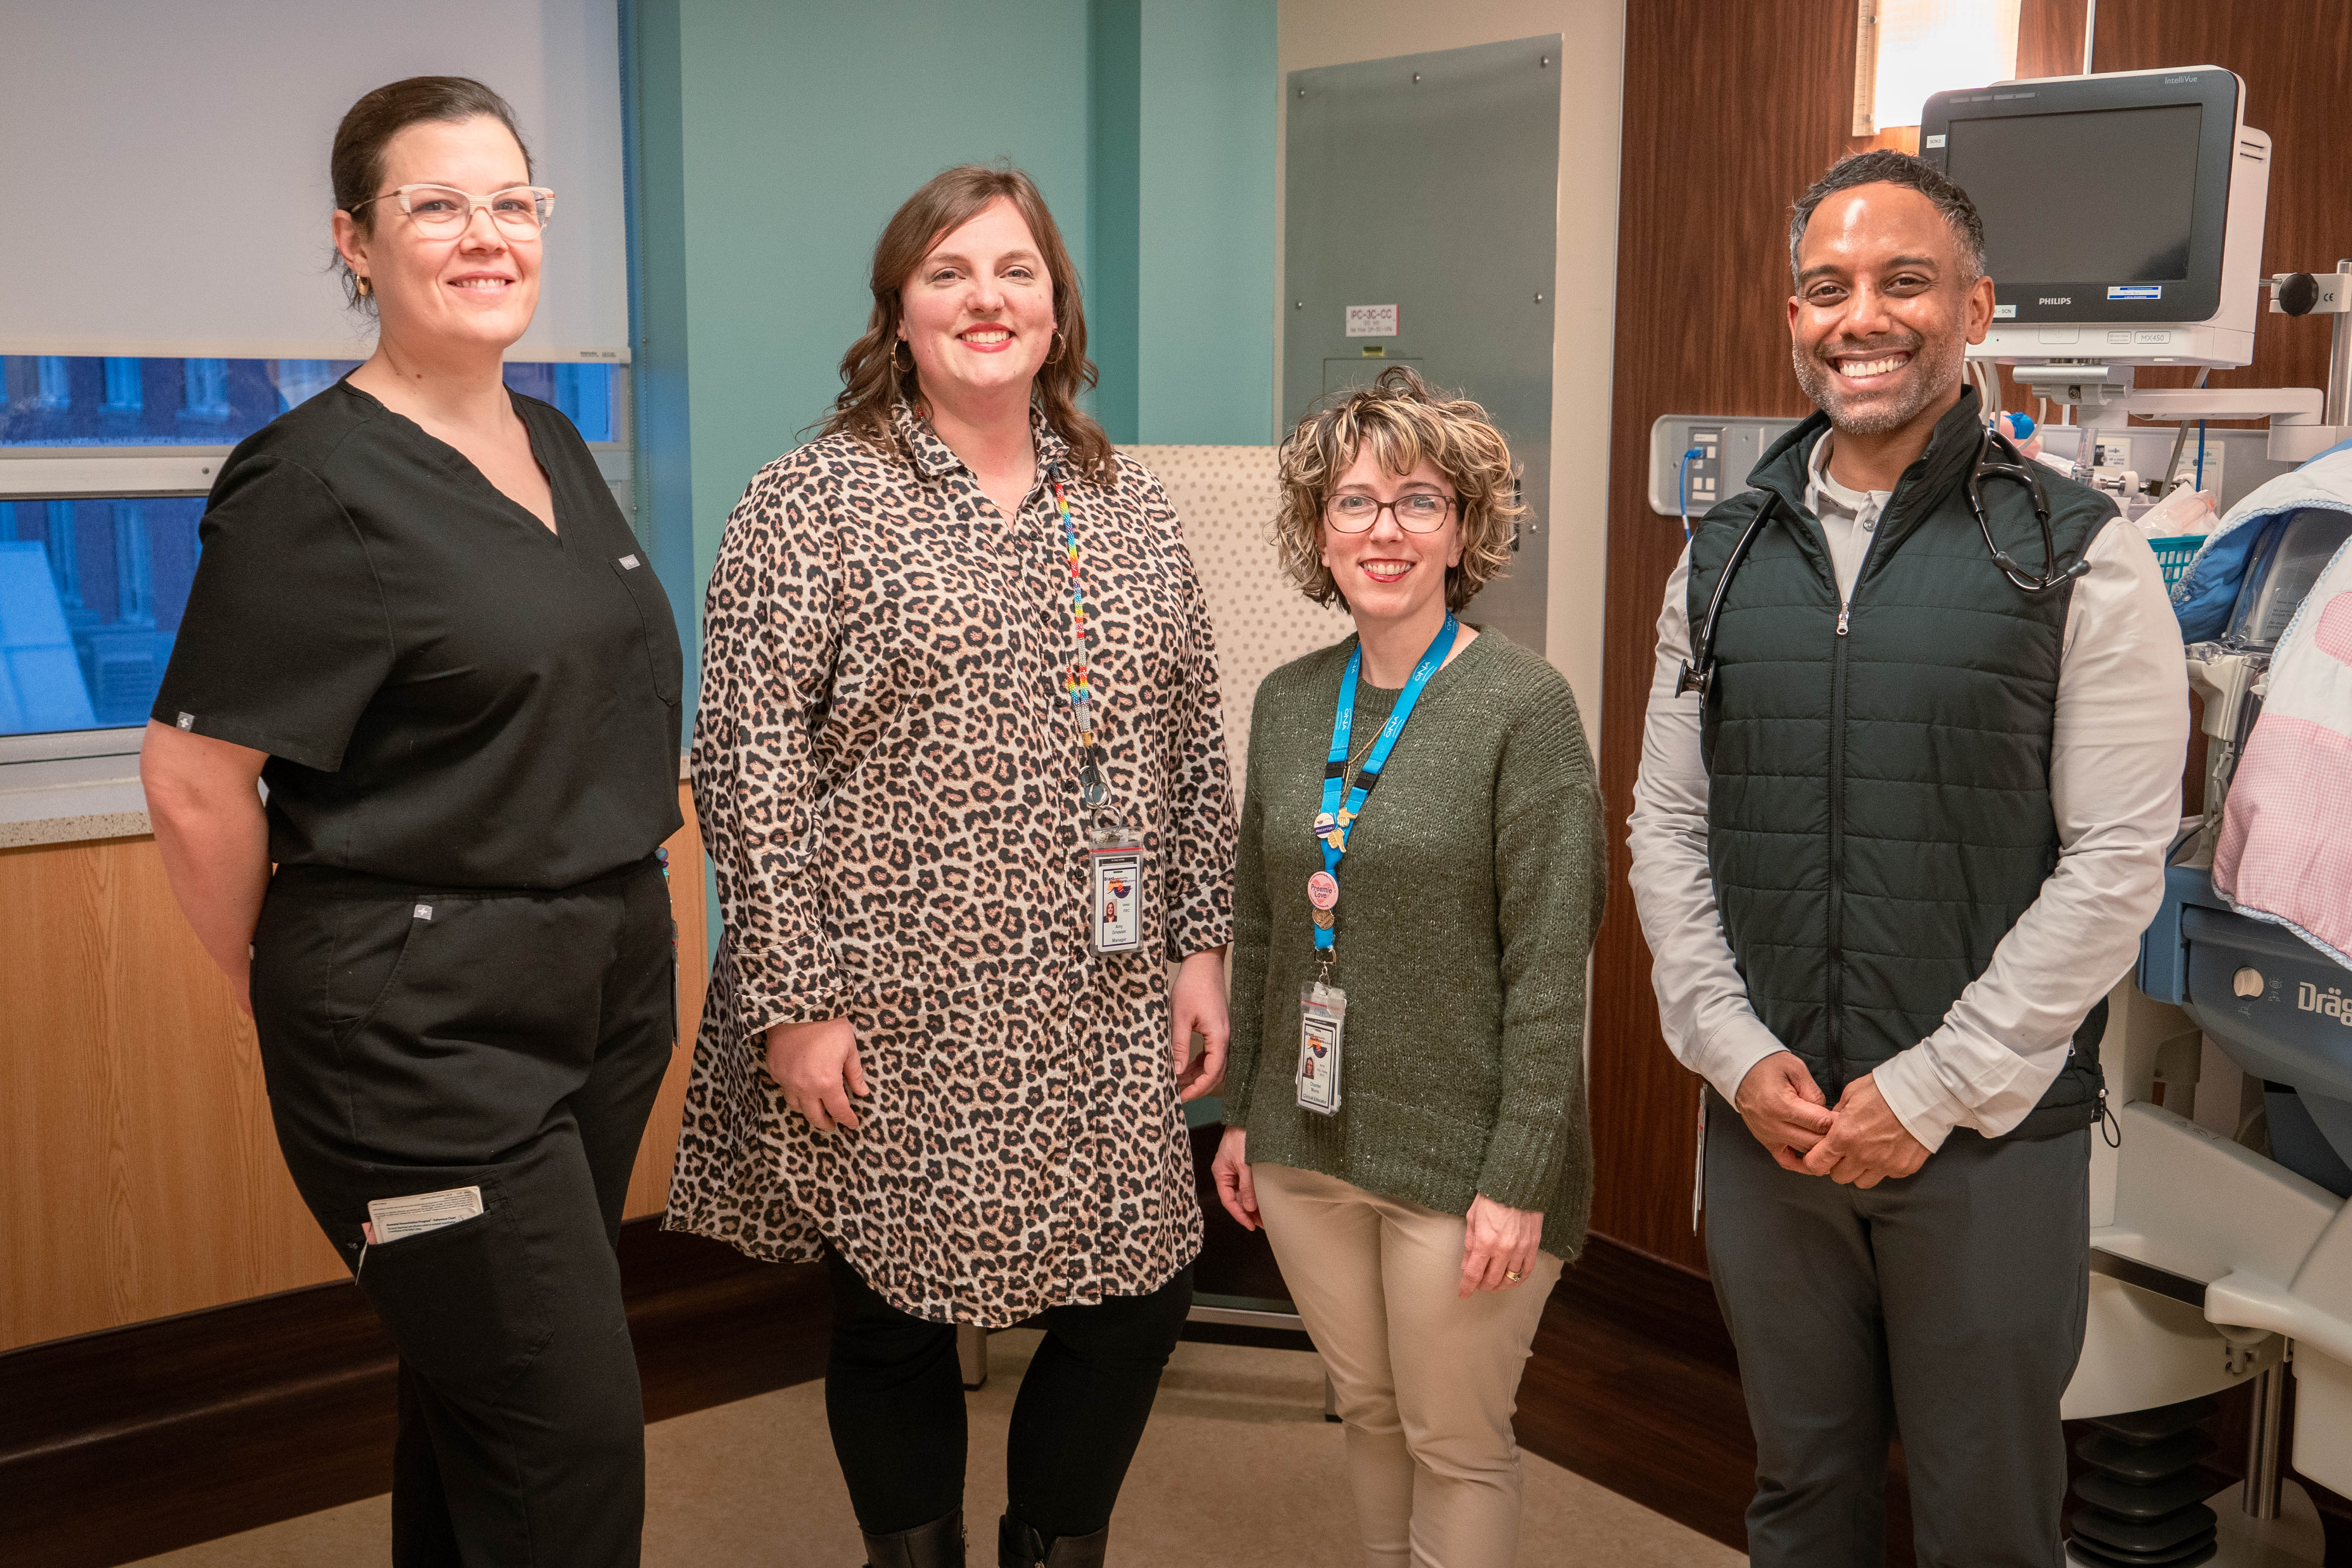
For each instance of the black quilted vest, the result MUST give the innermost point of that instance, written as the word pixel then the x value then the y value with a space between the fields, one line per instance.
pixel 1878 801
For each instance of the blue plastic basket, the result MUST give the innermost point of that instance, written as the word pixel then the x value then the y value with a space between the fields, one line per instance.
pixel 2174 555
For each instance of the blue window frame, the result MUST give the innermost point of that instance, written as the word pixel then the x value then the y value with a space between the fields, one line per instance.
pixel 56 401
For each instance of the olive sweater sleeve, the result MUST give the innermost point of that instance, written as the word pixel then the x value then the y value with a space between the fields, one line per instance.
pixel 1548 886
pixel 1252 921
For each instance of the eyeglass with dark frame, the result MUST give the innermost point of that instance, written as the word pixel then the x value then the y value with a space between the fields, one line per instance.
pixel 440 211
pixel 1422 511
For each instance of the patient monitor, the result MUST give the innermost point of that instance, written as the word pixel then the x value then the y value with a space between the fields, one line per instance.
pixel 2123 213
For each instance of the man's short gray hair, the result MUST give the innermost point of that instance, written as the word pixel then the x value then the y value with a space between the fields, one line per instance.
pixel 1885 167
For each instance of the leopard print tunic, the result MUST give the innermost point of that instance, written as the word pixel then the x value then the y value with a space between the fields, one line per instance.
pixel 886 771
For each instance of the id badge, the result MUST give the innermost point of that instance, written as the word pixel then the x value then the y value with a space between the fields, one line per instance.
pixel 1322 1014
pixel 1114 884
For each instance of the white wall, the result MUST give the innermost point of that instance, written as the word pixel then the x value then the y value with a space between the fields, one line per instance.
pixel 1313 33
pixel 164 167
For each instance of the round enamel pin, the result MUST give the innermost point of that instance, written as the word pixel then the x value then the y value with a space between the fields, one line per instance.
pixel 1323 890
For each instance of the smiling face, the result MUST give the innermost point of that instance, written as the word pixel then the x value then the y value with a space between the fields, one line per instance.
pixel 977 314
pixel 478 288
pixel 1386 574
pixel 1885 309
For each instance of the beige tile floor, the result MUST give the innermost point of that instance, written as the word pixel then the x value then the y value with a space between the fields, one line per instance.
pixel 1238 1470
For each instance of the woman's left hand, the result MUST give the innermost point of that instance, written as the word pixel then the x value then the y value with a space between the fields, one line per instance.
pixel 1498 1246
pixel 1196 1006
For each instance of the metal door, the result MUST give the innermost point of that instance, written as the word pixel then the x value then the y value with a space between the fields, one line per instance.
pixel 1431 182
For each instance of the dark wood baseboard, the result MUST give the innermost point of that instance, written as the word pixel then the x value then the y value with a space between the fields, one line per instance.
pixel 120 1445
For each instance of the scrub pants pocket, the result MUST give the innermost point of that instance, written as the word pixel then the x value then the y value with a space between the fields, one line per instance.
pixel 468 1303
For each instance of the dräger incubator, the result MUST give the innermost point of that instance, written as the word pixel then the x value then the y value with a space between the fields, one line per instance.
pixel 2221 1237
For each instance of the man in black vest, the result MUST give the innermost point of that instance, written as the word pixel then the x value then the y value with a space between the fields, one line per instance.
pixel 1900 819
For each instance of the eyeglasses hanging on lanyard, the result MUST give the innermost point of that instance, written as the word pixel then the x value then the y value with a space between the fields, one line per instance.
pixel 1323 1006
pixel 1113 849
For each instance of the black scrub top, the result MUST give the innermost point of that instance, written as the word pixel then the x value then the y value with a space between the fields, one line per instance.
pixel 450 695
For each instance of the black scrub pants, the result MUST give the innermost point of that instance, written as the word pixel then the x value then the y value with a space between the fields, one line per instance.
pixel 894 1397
pixel 419 1039
pixel 1947 1305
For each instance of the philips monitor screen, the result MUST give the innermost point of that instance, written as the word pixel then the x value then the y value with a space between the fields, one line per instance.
pixel 2124 181
pixel 2105 199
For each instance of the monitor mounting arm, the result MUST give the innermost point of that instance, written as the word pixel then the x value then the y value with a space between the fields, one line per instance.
pixel 2305 421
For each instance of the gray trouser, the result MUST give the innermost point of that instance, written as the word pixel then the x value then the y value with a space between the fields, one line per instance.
pixel 1947 1305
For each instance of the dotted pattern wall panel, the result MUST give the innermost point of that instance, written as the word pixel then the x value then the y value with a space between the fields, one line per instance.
pixel 1227 497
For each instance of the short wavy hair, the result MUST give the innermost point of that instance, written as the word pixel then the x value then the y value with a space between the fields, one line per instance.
pixel 1406 421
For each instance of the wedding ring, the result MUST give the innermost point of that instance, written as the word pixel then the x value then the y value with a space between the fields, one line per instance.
pixel 1512 1275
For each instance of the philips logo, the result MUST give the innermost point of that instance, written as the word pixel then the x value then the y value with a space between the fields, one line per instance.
pixel 2060 299
pixel 2328 1003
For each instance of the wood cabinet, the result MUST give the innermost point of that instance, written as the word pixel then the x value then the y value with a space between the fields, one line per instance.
pixel 138 1173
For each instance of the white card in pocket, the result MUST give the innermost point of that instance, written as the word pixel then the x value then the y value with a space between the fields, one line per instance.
pixel 389 1219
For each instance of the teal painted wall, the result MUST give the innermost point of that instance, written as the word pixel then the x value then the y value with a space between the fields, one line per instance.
pixel 1114 156
pixel 805 127
pixel 1206 283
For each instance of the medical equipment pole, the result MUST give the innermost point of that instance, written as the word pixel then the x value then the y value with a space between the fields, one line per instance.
pixel 2262 1445
pixel 2338 410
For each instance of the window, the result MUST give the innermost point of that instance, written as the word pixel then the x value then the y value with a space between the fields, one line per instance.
pixel 1907 50
pixel 52 401
pixel 93 583
pixel 90 596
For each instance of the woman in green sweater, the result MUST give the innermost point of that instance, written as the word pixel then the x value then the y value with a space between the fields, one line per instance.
pixel 1405 1099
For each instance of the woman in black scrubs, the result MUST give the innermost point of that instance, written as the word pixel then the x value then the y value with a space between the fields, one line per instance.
pixel 421 621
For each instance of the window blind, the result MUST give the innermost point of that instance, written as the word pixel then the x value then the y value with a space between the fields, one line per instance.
pixel 163 168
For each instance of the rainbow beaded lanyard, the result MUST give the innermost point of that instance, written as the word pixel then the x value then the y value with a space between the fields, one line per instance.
pixel 1078 684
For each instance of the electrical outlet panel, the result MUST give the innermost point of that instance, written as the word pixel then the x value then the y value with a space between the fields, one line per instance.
pixel 1726 449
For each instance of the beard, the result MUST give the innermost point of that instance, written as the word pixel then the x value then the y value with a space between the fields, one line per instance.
pixel 1935 366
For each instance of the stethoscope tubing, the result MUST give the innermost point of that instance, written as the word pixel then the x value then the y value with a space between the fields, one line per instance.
pixel 1698 670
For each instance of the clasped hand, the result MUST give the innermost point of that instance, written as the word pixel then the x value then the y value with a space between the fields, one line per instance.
pixel 1860 1143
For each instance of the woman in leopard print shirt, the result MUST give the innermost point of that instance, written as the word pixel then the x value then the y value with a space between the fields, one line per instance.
pixel 912 1063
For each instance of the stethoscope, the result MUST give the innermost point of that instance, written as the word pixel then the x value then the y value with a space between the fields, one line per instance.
pixel 1997 459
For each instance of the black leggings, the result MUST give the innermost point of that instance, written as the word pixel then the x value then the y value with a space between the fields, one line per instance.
pixel 894 1397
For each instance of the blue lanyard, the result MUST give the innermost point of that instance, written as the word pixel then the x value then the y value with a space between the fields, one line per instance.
pixel 1333 824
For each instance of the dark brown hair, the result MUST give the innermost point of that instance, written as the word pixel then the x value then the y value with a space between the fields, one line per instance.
pixel 872 381
pixel 356 165
pixel 1404 421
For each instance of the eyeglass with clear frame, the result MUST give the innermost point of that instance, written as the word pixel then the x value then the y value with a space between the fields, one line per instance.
pixel 442 211
pixel 1422 511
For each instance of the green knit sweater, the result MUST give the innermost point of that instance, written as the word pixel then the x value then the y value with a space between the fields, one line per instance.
pixel 1469 897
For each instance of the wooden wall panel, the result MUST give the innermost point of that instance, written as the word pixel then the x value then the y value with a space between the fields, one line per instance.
pixel 649 1182
pixel 139 1172
pixel 1730 111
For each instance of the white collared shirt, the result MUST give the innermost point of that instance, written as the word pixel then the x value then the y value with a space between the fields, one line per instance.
pixel 2121 730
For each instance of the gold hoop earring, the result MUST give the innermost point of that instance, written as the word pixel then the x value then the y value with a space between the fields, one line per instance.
pixel 1054 356
pixel 908 367
pixel 363 287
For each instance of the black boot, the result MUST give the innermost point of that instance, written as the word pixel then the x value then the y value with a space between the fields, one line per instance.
pixel 938 1545
pixel 1018 1545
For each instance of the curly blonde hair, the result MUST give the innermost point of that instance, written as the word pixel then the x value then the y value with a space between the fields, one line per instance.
pixel 1405 421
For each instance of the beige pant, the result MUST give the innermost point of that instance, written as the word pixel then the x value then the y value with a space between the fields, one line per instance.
pixel 1426 1382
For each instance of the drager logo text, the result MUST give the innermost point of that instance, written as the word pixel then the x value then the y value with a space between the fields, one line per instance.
pixel 2328 1003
